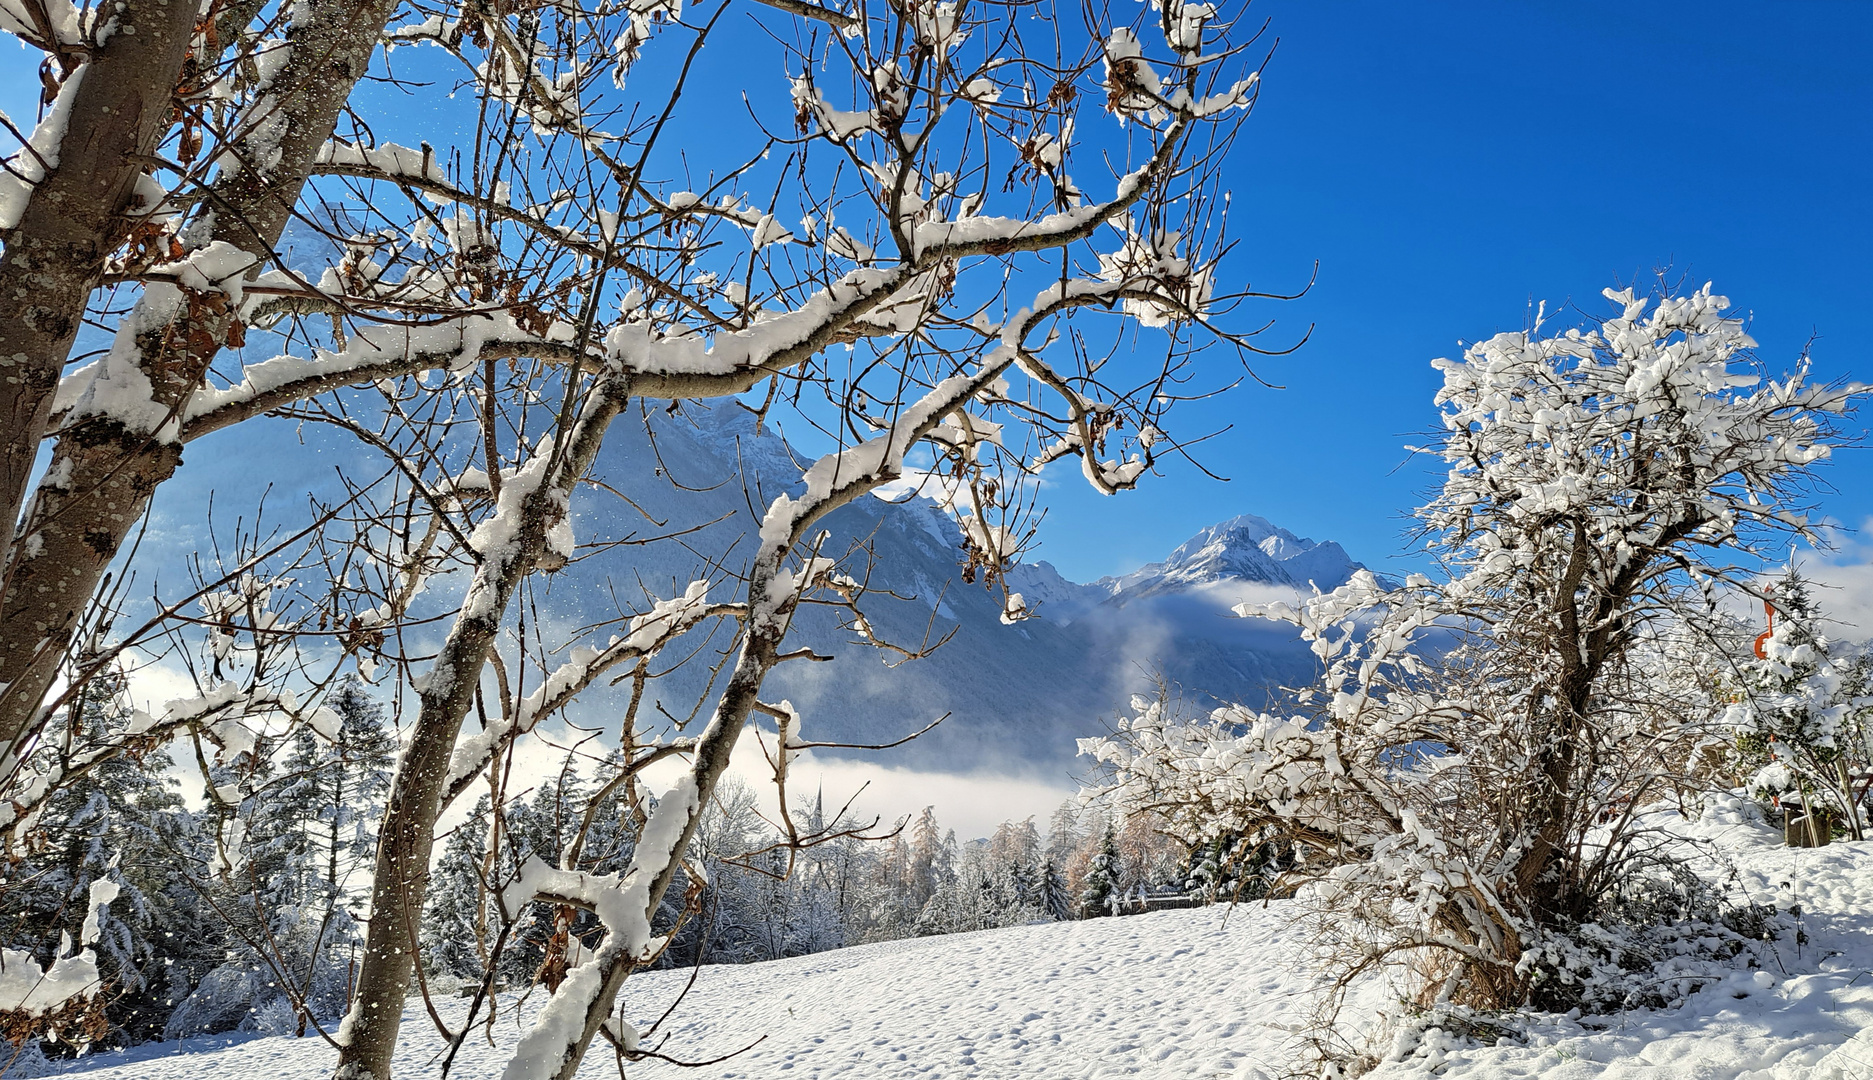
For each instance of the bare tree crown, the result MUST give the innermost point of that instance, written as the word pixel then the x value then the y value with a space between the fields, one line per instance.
pixel 935 206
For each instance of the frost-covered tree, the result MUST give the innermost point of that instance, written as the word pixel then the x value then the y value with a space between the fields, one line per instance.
pixel 1102 885
pixel 881 907
pixel 822 878
pixel 122 824
pixel 342 782
pixel 1014 858
pixel 969 241
pixel 1800 726
pixel 932 858
pixel 1463 782
pixel 1063 833
pixel 285 891
pixel 456 922
pixel 1056 902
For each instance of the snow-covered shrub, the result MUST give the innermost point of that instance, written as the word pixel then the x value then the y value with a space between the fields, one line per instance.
pixel 28 1062
pixel 1662 934
pixel 289 975
pixel 223 1001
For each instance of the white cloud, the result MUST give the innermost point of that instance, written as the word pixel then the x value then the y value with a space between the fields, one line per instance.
pixel 151 687
pixel 1846 579
pixel 971 803
pixel 1227 594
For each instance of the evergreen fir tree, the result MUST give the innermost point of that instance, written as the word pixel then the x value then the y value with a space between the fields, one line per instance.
pixel 308 835
pixel 1055 903
pixel 455 919
pixel 1208 872
pixel 1801 718
pixel 1102 892
pixel 121 821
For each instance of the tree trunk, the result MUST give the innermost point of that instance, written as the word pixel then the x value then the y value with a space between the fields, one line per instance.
pixel 401 882
pixel 104 469
pixel 75 216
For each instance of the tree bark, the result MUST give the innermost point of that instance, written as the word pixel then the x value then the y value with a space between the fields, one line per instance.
pixel 75 216
pixel 103 470
pixel 401 882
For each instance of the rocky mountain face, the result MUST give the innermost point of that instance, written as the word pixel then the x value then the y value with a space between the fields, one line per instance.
pixel 1016 697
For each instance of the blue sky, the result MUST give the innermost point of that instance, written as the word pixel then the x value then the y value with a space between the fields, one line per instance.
pixel 1449 164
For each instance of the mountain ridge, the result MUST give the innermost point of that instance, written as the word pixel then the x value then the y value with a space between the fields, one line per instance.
pixel 1016 697
pixel 1245 549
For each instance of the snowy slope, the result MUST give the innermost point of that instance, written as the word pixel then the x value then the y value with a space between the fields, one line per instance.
pixel 1174 994
pixel 1207 993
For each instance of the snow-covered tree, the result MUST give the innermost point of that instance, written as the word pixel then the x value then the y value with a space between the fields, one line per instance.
pixel 1800 726
pixel 932 858
pixel 285 888
pixel 990 242
pixel 121 824
pixel 823 878
pixel 457 922
pixel 1465 778
pixel 342 782
pixel 1014 856
pixel 1102 885
pixel 1056 902
pixel 1063 833
pixel 161 178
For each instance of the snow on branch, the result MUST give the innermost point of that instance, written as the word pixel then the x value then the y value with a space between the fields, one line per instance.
pixel 387 160
pixel 372 353
pixel 574 1015
pixel 1685 437
pixel 28 988
pixel 623 903
pixel 40 155
pixel 52 25
pixel 664 366
pixel 229 716
pixel 1137 92
pixel 647 634
pixel 1001 235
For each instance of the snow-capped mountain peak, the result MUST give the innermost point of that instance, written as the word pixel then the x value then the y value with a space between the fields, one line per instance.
pixel 1246 549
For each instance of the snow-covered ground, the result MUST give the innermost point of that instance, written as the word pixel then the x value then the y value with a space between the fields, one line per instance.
pixel 1807 1014
pixel 1208 993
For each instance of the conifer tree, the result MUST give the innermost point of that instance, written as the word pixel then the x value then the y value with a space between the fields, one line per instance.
pixel 1056 903
pixel 124 822
pixel 456 919
pixel 1800 723
pixel 287 896
pixel 1102 890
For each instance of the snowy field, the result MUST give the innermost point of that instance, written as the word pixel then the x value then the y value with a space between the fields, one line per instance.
pixel 1208 993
